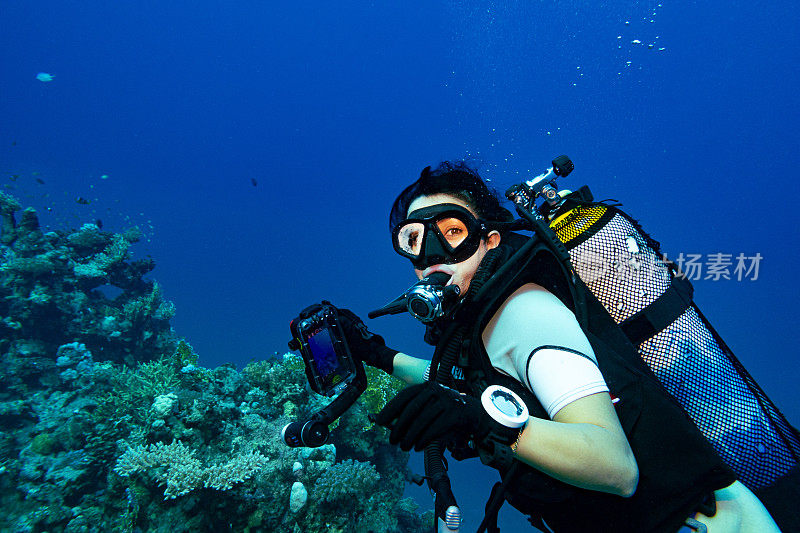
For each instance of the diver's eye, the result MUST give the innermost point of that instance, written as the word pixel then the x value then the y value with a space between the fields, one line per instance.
pixel 411 242
pixel 409 236
pixel 453 230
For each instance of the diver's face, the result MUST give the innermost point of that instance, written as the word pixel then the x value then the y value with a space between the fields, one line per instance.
pixel 463 272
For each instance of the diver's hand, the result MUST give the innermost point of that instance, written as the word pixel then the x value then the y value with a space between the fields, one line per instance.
pixel 420 414
pixel 364 344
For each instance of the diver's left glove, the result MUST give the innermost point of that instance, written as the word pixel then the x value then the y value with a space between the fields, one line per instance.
pixel 364 344
pixel 420 414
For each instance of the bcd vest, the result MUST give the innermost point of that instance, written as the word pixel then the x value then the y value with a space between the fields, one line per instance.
pixel 678 468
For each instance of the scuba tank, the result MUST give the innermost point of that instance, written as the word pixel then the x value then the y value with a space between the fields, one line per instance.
pixel 651 300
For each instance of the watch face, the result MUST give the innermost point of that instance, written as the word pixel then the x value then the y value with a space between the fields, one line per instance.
pixel 506 403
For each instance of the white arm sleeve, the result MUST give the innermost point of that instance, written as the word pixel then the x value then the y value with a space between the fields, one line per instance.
pixel 535 339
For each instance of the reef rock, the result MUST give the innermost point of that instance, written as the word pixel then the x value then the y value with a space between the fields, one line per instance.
pixel 298 497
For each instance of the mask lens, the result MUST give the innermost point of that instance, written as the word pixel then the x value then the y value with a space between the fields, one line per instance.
pixel 453 230
pixel 409 238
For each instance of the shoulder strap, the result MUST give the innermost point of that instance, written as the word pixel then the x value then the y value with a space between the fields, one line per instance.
pixel 659 314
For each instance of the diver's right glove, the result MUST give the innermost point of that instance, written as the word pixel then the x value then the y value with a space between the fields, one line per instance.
pixel 364 344
pixel 423 413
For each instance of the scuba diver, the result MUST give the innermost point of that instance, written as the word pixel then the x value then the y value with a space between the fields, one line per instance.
pixel 531 374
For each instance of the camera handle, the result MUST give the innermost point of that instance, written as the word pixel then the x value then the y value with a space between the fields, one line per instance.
pixel 314 432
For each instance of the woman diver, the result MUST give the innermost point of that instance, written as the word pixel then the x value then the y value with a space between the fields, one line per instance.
pixel 605 447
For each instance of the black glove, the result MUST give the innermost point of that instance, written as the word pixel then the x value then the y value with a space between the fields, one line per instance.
pixel 420 414
pixel 364 344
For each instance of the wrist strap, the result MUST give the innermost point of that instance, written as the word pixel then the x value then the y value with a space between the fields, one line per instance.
pixel 516 441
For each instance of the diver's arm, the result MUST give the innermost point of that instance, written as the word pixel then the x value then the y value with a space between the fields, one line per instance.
pixel 535 339
pixel 584 445
pixel 410 369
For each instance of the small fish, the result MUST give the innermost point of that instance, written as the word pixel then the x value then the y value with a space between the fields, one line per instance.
pixel 98 223
pixel 45 77
pixel 14 177
pixel 104 177
pixel 254 182
pixel 40 181
pixel 81 200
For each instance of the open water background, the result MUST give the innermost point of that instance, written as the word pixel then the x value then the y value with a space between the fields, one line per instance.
pixel 333 107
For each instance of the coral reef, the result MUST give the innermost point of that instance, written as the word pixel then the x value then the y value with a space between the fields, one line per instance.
pixel 65 286
pixel 110 424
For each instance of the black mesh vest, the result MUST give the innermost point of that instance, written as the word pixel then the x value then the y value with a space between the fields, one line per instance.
pixel 678 468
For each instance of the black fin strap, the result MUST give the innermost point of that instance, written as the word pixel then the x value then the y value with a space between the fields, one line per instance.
pixel 660 313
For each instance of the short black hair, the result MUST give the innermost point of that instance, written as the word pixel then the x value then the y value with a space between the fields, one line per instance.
pixel 457 179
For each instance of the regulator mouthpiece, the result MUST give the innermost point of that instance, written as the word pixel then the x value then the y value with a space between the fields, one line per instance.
pixel 427 300
pixel 427 303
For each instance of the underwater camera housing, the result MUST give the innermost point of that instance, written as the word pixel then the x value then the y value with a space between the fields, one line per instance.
pixel 330 368
pixel 318 335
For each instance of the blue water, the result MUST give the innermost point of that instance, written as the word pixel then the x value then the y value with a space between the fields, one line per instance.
pixel 260 145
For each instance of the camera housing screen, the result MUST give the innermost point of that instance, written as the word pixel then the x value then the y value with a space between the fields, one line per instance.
pixel 325 360
pixel 329 365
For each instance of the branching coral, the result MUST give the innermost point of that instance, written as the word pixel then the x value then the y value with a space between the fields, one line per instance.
pixel 176 465
pixel 284 381
pixel 89 237
pixel 133 391
pixel 184 354
pixel 346 480
pixel 152 304
pixel 238 469
pixel 100 264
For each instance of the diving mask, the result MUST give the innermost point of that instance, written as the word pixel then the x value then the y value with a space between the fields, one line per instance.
pixel 439 234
